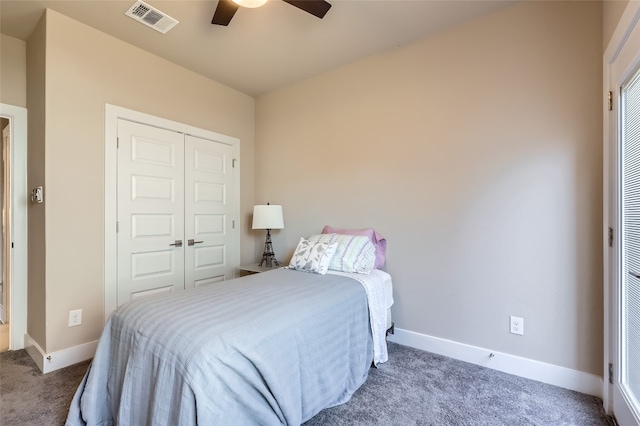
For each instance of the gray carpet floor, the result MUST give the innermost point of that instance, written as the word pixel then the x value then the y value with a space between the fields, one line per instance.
pixel 413 388
pixel 28 397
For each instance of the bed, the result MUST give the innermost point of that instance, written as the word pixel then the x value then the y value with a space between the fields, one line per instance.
pixel 271 348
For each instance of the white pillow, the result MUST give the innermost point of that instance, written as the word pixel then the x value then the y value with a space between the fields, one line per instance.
pixel 355 253
pixel 312 257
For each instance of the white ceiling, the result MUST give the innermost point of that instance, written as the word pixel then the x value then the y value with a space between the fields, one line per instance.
pixel 265 48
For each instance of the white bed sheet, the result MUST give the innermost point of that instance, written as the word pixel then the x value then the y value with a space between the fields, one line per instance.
pixel 380 297
pixel 388 293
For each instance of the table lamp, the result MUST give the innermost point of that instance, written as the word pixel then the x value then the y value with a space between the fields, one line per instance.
pixel 268 217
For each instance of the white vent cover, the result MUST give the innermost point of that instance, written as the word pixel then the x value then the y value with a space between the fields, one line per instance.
pixel 151 17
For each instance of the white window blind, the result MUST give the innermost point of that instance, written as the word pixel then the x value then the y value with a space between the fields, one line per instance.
pixel 630 127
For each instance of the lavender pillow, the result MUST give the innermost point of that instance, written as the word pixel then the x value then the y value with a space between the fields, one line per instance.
pixel 376 239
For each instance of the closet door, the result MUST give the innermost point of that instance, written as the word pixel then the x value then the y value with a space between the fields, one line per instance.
pixel 150 211
pixel 208 211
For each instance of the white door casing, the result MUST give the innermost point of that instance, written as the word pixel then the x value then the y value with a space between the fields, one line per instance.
pixel 210 267
pixel 150 210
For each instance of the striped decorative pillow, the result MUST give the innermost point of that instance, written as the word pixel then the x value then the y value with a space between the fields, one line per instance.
pixel 355 253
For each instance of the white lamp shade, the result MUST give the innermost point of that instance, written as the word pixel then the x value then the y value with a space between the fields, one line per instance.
pixel 250 3
pixel 268 217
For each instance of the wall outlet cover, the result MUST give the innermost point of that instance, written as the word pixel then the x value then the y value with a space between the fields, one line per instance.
pixel 75 318
pixel 516 325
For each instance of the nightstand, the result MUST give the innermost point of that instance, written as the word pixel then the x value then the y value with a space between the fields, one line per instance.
pixel 254 268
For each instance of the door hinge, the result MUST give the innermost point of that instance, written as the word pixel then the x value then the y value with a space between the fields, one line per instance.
pixel 610 373
pixel 118 141
pixel 610 101
pixel 233 163
pixel 11 244
pixel 117 227
pixel 233 224
pixel 610 237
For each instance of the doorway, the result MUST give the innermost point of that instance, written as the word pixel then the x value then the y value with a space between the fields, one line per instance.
pixel 13 221
pixel 5 254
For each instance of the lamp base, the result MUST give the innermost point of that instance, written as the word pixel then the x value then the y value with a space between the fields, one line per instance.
pixel 268 257
pixel 269 260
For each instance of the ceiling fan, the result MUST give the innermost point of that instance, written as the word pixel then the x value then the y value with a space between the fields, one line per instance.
pixel 227 8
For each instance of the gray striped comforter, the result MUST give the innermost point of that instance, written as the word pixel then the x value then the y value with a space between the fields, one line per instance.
pixel 269 349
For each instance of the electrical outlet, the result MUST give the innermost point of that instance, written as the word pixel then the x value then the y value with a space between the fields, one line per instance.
pixel 75 318
pixel 516 325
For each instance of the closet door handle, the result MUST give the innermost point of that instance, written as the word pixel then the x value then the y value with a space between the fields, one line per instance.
pixel 633 274
pixel 192 242
pixel 178 243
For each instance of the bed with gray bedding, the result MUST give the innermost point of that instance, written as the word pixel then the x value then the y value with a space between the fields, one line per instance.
pixel 272 349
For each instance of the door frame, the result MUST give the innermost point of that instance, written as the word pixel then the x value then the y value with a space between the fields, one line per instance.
pixel 611 210
pixel 112 115
pixel 18 226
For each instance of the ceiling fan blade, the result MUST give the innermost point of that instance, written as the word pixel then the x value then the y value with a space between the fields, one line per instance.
pixel 224 12
pixel 317 8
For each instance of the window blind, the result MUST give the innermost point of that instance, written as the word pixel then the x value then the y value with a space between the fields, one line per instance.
pixel 630 162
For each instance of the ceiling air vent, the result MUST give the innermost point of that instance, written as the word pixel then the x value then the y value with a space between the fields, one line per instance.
pixel 151 17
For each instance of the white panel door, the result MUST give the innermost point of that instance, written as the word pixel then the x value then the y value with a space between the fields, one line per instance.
pixel 622 68
pixel 208 211
pixel 150 211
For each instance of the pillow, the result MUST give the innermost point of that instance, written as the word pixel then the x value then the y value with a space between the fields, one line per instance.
pixel 312 256
pixel 355 253
pixel 376 239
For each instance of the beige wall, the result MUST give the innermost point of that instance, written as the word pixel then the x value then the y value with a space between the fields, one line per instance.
pixel 85 69
pixel 36 289
pixel 13 71
pixel 611 13
pixel 477 153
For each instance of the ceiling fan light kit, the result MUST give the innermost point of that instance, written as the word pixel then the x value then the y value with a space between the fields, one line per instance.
pixel 227 8
pixel 250 3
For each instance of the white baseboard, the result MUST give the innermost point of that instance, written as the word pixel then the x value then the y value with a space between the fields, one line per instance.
pixel 59 359
pixel 567 378
pixel 34 350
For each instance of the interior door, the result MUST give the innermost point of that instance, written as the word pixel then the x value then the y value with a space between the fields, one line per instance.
pixel 624 296
pixel 150 238
pixel 628 386
pixel 208 211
